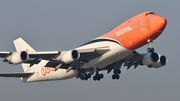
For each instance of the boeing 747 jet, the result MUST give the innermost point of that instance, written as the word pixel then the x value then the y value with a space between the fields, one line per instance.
pixel 110 52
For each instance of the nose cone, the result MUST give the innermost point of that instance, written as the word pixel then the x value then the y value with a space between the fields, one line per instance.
pixel 161 22
pixel 157 25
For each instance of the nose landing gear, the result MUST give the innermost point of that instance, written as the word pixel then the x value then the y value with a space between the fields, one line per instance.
pixel 150 48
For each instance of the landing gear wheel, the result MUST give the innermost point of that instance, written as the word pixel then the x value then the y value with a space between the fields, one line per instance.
pixel 89 75
pixel 150 50
pixel 86 79
pixel 77 75
pixel 117 77
pixel 113 77
pixel 101 76
pixel 82 76
pixel 98 78
pixel 117 71
pixel 94 78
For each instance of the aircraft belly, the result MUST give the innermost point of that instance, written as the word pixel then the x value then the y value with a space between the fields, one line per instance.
pixel 56 75
pixel 111 60
pixel 116 53
pixel 47 74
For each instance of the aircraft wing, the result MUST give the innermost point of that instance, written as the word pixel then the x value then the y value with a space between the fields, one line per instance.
pixel 46 55
pixel 91 53
pixel 42 55
pixel 4 54
pixel 33 57
pixel 16 74
pixel 152 60
pixel 85 54
pixel 54 57
pixel 133 59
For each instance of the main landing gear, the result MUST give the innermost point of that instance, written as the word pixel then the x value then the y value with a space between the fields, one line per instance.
pixel 116 74
pixel 82 74
pixel 150 49
pixel 85 75
pixel 98 76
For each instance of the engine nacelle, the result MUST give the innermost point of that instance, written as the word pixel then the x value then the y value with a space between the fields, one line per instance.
pixel 154 60
pixel 19 57
pixel 161 62
pixel 150 58
pixel 70 56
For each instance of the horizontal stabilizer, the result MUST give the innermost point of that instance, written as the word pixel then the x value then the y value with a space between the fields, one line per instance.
pixel 16 74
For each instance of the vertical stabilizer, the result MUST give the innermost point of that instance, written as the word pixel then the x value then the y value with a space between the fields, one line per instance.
pixel 21 45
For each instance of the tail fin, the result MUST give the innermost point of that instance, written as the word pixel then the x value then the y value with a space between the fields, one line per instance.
pixel 21 45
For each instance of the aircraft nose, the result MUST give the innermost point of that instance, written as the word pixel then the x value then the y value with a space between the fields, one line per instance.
pixel 162 21
pixel 157 24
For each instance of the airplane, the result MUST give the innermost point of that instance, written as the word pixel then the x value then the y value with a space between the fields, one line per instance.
pixel 110 52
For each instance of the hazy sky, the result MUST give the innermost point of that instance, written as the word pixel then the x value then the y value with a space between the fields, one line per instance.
pixel 65 24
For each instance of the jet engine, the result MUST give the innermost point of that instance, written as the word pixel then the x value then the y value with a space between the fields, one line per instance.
pixel 19 57
pixel 161 62
pixel 150 58
pixel 70 56
pixel 154 60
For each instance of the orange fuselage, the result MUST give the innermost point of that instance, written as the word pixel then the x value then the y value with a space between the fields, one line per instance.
pixel 138 30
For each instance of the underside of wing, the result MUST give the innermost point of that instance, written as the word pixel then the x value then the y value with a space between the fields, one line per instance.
pixel 16 74
pixel 46 55
pixel 133 59
pixel 55 58
pixel 4 54
pixel 84 55
pixel 91 53
pixel 152 60
pixel 28 57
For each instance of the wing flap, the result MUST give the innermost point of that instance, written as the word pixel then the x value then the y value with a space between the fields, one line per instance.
pixel 16 74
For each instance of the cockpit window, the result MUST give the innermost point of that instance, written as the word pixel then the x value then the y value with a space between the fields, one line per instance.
pixel 150 13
